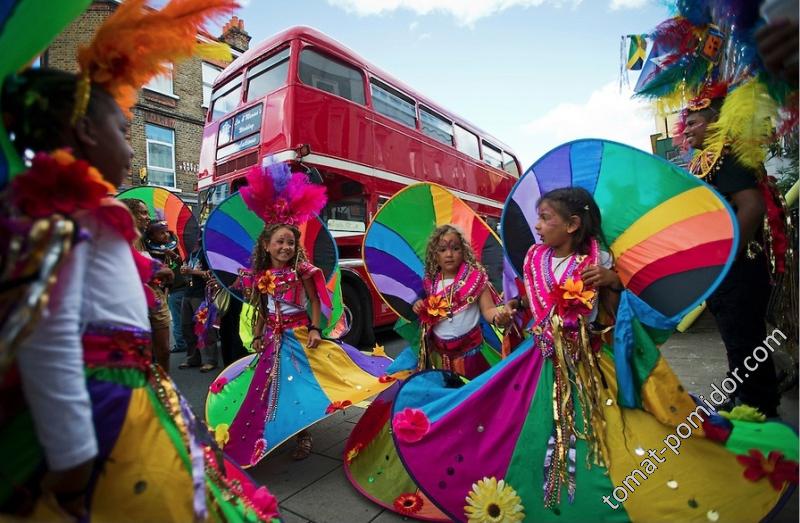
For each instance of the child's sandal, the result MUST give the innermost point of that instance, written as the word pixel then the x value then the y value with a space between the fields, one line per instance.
pixel 303 449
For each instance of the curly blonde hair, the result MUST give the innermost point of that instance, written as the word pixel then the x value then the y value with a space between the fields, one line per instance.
pixel 431 265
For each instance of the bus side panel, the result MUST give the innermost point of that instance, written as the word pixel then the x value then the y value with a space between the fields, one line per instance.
pixel 396 148
pixel 332 126
pixel 208 150
pixel 276 125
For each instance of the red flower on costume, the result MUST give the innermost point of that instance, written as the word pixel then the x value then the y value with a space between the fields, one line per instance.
pixel 434 308
pixel 777 469
pixel 338 405
pixel 218 384
pixel 58 183
pixel 408 504
pixel 410 425
pixel 386 379
pixel 572 301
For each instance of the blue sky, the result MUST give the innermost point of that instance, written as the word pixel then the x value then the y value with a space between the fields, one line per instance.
pixel 534 73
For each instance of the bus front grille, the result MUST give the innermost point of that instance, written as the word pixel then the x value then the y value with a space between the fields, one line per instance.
pixel 237 164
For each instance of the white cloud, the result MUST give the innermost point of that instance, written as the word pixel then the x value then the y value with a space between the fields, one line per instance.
pixel 465 12
pixel 608 113
pixel 627 4
pixel 424 36
pixel 413 26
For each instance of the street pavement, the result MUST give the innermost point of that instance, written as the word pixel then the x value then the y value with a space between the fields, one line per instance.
pixel 316 489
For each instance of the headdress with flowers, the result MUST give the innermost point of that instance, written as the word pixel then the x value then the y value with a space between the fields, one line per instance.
pixel 137 43
pixel 278 195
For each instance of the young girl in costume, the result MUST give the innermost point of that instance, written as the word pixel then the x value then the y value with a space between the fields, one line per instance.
pixel 102 433
pixel 296 377
pixel 458 293
pixel 563 448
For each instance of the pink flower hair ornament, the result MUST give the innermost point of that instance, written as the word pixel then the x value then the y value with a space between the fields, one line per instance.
pixel 278 195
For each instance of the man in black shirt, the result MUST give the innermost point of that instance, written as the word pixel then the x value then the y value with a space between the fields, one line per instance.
pixel 739 304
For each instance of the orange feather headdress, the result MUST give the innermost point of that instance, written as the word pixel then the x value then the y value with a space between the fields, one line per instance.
pixel 137 43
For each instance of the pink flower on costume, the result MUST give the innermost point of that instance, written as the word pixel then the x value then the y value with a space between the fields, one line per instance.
pixel 265 503
pixel 410 425
pixel 218 385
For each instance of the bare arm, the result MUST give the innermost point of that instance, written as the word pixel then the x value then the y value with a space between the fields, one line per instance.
pixel 314 336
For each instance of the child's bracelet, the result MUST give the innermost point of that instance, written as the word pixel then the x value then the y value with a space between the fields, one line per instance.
pixel 314 328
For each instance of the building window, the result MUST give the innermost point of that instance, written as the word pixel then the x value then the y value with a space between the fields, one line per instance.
pixel 160 155
pixel 466 142
pixel 435 126
pixel 333 77
pixel 162 83
pixel 210 74
pixel 268 75
pixel 492 155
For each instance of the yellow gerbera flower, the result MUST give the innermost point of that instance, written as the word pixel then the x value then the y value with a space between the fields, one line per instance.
pixel 573 290
pixel 492 501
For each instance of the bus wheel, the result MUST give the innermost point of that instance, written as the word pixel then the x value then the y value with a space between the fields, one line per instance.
pixel 356 315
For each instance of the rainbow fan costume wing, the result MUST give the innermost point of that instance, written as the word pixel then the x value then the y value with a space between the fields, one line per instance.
pixel 394 245
pixel 167 206
pixel 24 33
pixel 231 232
pixel 669 233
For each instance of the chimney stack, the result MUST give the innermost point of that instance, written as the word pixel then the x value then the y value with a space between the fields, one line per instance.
pixel 234 35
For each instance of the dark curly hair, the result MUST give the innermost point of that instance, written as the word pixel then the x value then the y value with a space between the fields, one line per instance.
pixel 577 201
pixel 37 106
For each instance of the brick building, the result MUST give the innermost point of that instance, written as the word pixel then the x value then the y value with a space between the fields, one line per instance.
pixel 167 126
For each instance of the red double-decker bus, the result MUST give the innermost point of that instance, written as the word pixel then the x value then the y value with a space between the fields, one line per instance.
pixel 304 98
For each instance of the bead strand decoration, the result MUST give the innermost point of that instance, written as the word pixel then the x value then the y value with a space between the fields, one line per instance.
pixel 706 163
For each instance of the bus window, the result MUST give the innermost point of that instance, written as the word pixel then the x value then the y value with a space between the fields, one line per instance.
pixel 393 104
pixel 466 142
pixel 226 98
pixel 435 126
pixel 267 76
pixel 348 215
pixel 510 165
pixel 492 155
pixel 323 73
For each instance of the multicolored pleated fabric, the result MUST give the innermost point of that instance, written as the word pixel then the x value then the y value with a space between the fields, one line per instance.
pixel 394 254
pixel 307 386
pixel 230 234
pixel 167 206
pixel 155 462
pixel 474 460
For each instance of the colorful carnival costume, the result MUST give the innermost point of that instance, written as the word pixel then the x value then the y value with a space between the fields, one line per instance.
pixel 588 431
pixel 263 399
pixel 394 254
pixel 75 334
pixel 154 460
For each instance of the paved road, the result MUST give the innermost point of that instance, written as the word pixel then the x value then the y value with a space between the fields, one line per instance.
pixel 316 490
